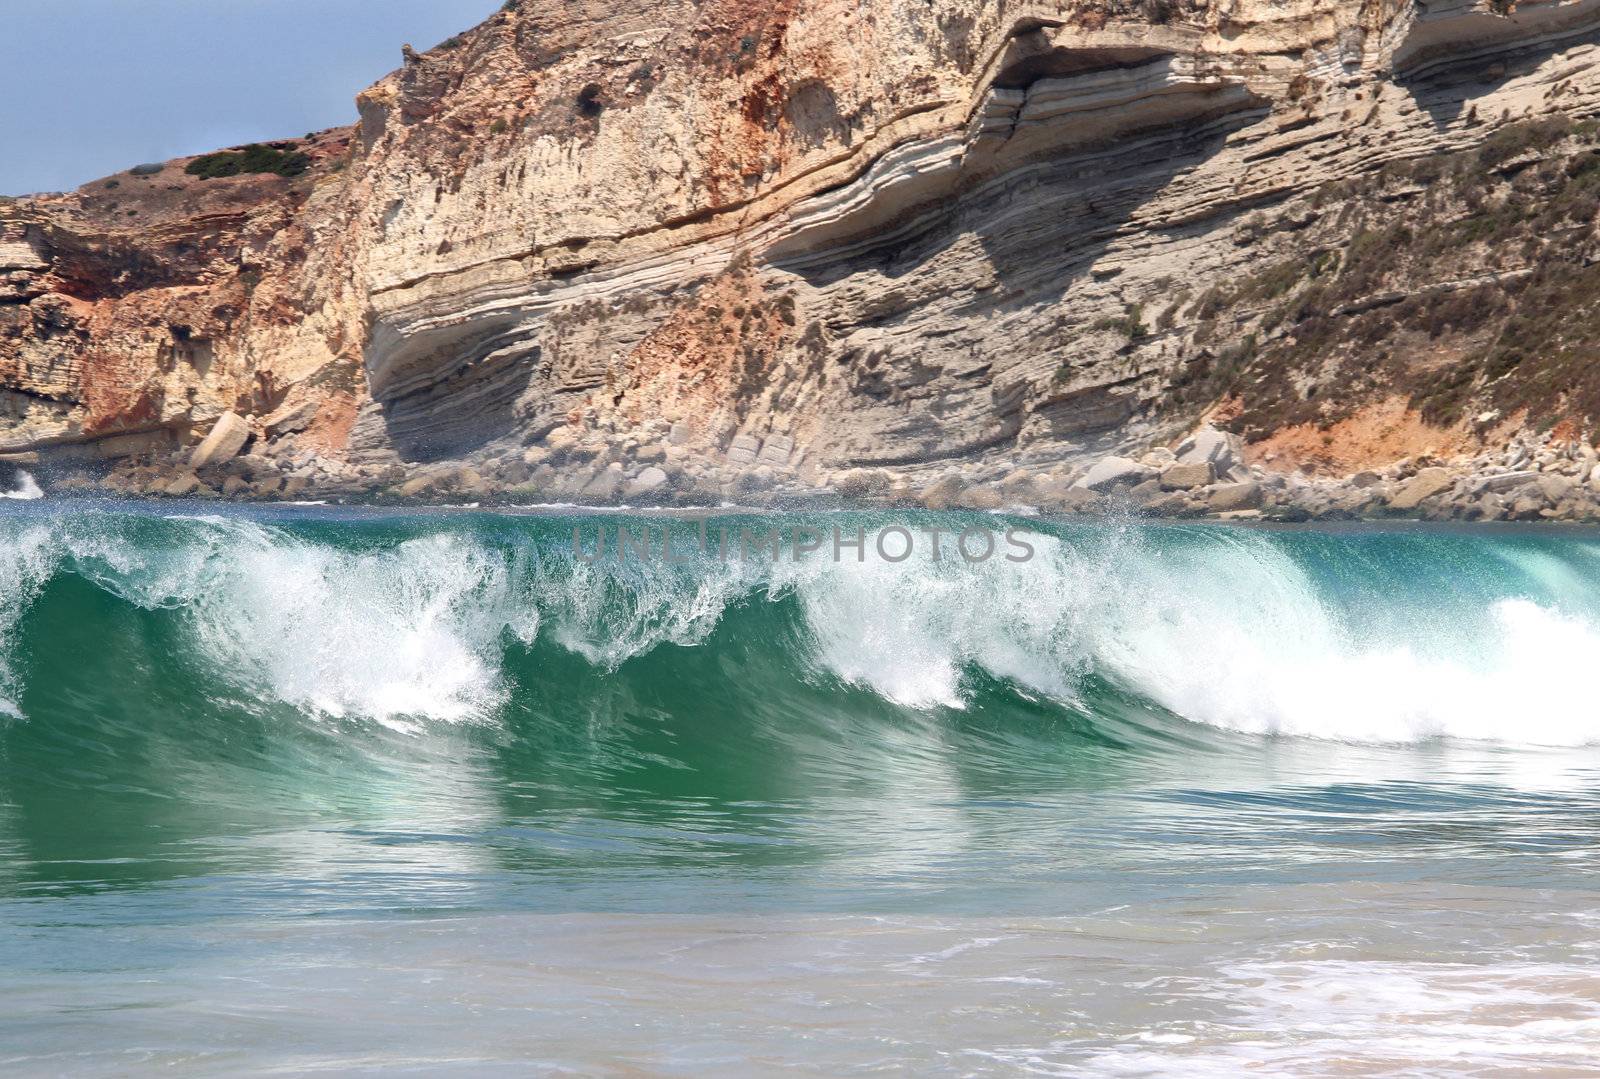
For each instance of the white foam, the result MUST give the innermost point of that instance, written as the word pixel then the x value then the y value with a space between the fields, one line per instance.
pixel 412 631
pixel 26 490
pixel 908 630
pixel 26 558
pixel 1239 637
pixel 1226 630
pixel 1343 1017
pixel 408 631
pixel 610 611
pixel 399 632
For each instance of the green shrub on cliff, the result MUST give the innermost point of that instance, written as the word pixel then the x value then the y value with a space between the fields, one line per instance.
pixel 1130 325
pixel 253 159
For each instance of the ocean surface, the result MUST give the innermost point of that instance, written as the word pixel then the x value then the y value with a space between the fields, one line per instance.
pixel 300 790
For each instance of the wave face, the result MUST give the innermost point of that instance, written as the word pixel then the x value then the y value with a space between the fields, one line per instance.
pixel 1363 636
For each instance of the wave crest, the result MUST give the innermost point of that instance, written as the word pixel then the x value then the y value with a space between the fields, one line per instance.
pixel 1387 638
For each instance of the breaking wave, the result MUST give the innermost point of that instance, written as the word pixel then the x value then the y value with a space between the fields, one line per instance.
pixel 1365 636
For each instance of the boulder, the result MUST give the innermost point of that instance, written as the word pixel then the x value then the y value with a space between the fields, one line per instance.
pixel 1286 513
pixel 862 481
pixel 1359 500
pixel 1173 504
pixel 1488 508
pixel 743 449
pixel 416 485
pixel 645 482
pixel 605 486
pixel 1229 497
pixel 514 471
pixel 469 482
pixel 1147 491
pixel 118 482
pixel 1424 485
pixel 1020 486
pixel 903 493
pixel 1506 481
pixel 1525 508
pixel 290 419
pixel 1185 477
pixel 1555 488
pixel 182 486
pixel 1209 445
pixel 234 486
pixel 776 450
pixel 1109 472
pixel 228 436
pixel 250 465
pixel 1051 491
pixel 1080 500
pixel 982 497
pixel 944 492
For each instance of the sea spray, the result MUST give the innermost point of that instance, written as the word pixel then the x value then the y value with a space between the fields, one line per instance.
pixel 24 488
pixel 26 561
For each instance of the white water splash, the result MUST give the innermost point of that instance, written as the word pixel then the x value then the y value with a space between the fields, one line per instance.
pixel 26 561
pixel 26 490
pixel 909 630
pixel 394 634
pixel 1226 631
pixel 412 631
pixel 1237 635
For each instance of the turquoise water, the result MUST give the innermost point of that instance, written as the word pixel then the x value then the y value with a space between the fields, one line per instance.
pixel 300 789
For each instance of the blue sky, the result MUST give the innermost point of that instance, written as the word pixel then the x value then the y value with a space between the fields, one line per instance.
pixel 92 87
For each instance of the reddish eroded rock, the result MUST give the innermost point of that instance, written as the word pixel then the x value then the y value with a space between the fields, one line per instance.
pixel 153 284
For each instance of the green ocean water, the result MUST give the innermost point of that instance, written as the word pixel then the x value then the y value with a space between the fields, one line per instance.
pixel 302 789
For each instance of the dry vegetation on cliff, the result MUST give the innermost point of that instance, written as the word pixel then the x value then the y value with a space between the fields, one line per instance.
pixel 1463 281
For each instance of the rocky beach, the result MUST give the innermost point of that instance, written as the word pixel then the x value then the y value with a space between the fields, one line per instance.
pixel 1206 475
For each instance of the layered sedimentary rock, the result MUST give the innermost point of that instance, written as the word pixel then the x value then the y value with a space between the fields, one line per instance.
pixel 807 237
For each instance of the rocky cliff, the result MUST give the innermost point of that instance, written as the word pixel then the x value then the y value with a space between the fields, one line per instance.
pixel 686 250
